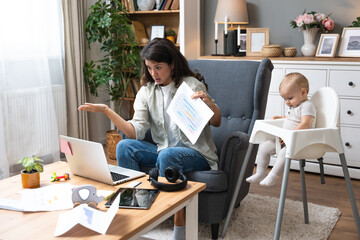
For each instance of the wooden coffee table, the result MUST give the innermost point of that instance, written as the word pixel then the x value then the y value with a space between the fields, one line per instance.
pixel 127 224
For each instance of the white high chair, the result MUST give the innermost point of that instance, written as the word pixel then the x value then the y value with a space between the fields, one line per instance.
pixel 303 144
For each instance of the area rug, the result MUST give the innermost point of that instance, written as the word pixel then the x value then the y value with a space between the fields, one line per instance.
pixel 256 218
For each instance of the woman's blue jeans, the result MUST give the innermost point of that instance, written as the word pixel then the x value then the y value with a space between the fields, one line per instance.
pixel 132 154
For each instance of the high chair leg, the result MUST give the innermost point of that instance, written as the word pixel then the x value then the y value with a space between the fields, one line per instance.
pixel 350 192
pixel 321 165
pixel 303 190
pixel 282 198
pixel 237 189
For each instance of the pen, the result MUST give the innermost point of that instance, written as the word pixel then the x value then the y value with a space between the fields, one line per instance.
pixel 137 184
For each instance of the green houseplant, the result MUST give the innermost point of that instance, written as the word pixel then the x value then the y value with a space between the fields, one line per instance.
pixel 171 35
pixel 356 23
pixel 109 25
pixel 30 175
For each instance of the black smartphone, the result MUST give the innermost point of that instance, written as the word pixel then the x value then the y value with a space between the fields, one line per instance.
pixel 138 198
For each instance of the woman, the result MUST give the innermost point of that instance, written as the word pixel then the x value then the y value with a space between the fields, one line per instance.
pixel 164 69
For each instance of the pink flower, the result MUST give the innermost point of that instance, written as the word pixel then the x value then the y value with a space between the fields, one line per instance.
pixel 320 17
pixel 328 24
pixel 308 18
pixel 299 20
pixel 313 20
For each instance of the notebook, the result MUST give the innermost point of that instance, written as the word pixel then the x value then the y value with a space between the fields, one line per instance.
pixel 87 159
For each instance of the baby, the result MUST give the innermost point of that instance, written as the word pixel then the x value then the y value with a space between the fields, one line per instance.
pixel 300 115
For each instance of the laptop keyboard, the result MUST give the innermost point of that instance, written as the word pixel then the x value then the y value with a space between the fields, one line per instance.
pixel 117 176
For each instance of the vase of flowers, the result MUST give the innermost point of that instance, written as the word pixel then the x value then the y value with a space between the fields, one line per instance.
pixel 310 23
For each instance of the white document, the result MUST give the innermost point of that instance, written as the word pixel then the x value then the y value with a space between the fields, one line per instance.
pixel 49 198
pixel 191 115
pixel 88 217
pixel 10 204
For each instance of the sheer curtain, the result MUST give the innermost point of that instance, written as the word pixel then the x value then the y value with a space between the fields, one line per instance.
pixel 32 92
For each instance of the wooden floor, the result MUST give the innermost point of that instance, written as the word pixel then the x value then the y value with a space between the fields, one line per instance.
pixel 333 194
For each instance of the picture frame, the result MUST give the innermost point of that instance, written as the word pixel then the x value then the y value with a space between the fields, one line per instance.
pixel 327 45
pixel 350 42
pixel 157 31
pixel 242 41
pixel 256 38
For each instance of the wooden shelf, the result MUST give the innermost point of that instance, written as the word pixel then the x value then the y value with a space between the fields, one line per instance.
pixel 297 58
pixel 155 12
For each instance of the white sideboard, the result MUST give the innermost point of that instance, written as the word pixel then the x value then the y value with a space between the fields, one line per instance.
pixel 344 77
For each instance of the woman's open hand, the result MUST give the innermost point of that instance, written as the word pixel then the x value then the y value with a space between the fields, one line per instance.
pixel 90 107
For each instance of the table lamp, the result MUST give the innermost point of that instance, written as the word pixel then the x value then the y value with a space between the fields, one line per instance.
pixel 233 12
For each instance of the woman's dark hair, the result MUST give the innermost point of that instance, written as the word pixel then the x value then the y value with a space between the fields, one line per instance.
pixel 163 50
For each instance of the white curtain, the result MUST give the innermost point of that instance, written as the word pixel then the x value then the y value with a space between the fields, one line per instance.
pixel 32 92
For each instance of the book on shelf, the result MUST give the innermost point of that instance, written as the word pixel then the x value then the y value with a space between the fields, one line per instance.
pixel 167 4
pixel 131 5
pixel 140 32
pixel 175 5
pixel 161 4
pixel 136 5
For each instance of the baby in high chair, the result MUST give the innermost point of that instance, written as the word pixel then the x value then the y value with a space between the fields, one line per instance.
pixel 301 114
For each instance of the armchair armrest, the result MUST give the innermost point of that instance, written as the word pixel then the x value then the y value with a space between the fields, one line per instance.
pixel 233 151
pixel 216 180
pixel 232 158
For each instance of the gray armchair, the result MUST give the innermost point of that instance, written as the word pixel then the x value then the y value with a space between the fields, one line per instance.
pixel 240 89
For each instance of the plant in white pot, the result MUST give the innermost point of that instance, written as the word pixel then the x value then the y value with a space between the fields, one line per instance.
pixel 30 175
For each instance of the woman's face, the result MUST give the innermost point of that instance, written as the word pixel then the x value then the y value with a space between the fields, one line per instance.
pixel 160 71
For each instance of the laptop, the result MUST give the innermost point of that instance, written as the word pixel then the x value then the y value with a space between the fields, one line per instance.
pixel 87 159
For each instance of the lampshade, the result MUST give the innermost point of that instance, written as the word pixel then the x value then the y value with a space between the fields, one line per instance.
pixel 234 10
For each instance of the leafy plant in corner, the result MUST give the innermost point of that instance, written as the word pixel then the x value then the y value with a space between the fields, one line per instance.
pixel 356 23
pixel 170 32
pixel 109 25
pixel 31 164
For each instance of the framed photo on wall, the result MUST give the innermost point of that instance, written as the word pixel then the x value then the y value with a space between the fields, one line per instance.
pixel 256 38
pixel 157 31
pixel 327 45
pixel 350 42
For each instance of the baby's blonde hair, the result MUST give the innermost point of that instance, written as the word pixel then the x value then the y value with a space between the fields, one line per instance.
pixel 295 80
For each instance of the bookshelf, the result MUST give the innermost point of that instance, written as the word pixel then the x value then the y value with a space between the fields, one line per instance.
pixel 185 21
pixel 169 18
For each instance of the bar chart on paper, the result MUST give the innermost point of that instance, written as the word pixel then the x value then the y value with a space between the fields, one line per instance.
pixel 191 115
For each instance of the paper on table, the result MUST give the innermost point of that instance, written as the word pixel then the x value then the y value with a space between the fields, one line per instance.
pixel 88 217
pixel 191 115
pixel 10 204
pixel 49 198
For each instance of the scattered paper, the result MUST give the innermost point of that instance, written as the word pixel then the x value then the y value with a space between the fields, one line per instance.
pixel 49 198
pixel 191 115
pixel 9 204
pixel 88 217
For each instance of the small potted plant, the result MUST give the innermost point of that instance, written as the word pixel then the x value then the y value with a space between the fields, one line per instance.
pixel 30 175
pixel 170 34
pixel 356 23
